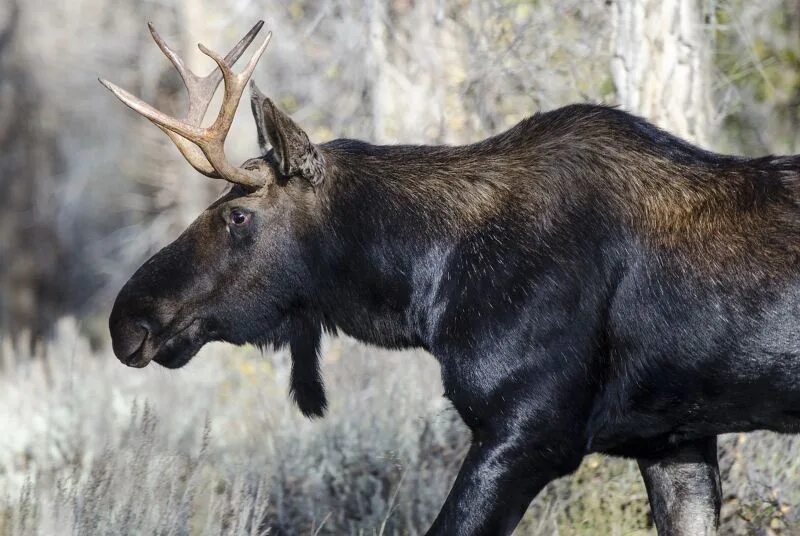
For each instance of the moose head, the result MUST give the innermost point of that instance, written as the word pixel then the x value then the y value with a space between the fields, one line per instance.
pixel 240 272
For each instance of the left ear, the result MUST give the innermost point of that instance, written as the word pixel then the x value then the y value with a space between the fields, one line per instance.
pixel 293 151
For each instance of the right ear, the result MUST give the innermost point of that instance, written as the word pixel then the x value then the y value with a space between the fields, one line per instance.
pixel 294 152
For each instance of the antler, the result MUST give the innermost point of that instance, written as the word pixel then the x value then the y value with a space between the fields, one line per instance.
pixel 204 148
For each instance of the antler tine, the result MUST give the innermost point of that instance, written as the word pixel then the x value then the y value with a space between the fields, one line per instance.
pixel 171 55
pixel 159 118
pixel 200 92
pixel 177 131
pixel 234 83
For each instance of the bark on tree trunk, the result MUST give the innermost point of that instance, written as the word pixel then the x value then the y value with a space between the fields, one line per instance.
pixel 413 54
pixel 661 65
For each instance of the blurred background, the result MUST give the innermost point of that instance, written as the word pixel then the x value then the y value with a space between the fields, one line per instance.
pixel 88 190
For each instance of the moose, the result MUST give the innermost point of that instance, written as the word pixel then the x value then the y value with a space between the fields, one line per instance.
pixel 587 282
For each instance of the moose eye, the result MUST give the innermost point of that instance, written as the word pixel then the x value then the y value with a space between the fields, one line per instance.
pixel 239 217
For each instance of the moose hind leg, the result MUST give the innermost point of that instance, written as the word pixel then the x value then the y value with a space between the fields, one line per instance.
pixel 684 489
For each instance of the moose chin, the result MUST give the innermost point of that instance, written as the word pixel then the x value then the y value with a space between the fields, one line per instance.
pixel 587 282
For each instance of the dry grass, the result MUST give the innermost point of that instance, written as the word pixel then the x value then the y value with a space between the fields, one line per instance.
pixel 91 447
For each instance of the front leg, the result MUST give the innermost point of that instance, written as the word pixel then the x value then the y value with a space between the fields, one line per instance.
pixel 684 489
pixel 502 472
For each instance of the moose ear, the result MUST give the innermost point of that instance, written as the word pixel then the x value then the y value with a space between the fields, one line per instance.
pixel 294 152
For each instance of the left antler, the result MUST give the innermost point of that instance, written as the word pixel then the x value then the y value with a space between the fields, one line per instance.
pixel 204 148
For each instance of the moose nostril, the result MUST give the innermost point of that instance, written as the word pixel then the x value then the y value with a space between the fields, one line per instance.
pixel 128 336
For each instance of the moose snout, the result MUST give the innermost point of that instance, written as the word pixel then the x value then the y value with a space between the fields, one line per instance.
pixel 128 337
pixel 145 303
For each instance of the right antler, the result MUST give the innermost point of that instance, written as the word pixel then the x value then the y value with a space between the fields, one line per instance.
pixel 204 148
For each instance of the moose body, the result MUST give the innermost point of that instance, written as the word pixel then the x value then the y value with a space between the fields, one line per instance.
pixel 587 282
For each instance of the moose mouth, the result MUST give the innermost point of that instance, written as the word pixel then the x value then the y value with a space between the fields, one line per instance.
pixel 177 352
pixel 174 352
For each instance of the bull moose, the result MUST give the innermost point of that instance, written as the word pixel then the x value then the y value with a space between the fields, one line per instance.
pixel 587 282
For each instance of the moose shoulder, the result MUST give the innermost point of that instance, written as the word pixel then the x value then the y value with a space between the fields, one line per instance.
pixel 588 283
